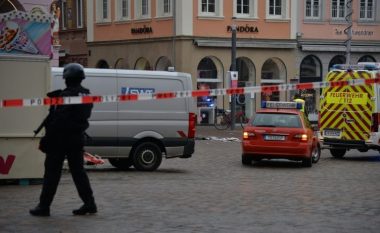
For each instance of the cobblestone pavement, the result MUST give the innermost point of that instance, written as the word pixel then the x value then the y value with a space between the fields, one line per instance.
pixel 213 192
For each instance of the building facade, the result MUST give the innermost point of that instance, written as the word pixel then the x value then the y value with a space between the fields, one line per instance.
pixel 322 39
pixel 72 32
pixel 278 41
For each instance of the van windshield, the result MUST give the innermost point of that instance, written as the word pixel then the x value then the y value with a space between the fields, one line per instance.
pixel 277 120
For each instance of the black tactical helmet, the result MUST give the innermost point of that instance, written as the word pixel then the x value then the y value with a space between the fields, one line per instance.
pixel 73 72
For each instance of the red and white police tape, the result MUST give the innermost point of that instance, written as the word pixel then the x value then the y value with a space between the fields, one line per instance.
pixel 179 94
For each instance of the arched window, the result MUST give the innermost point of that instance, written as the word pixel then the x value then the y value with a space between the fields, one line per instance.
pixel 273 73
pixel 367 58
pixel 102 64
pixel 246 70
pixel 142 64
pixel 209 76
pixel 10 5
pixel 121 64
pixel 338 59
pixel 207 69
pixel 163 63
pixel 310 70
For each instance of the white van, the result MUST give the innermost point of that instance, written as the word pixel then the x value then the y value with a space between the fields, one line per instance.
pixel 140 132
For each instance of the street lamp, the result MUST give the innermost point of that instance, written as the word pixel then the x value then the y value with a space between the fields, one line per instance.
pixel 233 68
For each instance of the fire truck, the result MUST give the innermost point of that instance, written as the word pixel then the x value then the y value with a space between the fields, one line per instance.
pixel 349 114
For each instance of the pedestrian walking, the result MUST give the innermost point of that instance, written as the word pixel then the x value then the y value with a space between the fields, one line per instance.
pixel 64 138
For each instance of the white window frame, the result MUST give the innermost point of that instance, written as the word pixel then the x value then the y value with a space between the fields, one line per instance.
pixel 100 18
pixel 138 9
pixel 79 6
pixel 366 10
pixel 160 8
pixel 218 9
pixel 284 10
pixel 252 10
pixel 338 10
pixel 119 10
pixel 312 9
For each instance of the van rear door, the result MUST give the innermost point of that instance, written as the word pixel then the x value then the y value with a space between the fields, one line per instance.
pixel 346 111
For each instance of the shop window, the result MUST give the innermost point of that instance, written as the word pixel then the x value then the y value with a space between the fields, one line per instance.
pixel 207 77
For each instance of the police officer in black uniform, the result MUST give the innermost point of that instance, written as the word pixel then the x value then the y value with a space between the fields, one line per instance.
pixel 64 138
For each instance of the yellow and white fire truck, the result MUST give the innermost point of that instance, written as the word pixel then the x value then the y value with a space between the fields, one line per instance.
pixel 349 115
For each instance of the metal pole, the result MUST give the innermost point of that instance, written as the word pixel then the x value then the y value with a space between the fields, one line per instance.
pixel 348 30
pixel 233 68
pixel 174 34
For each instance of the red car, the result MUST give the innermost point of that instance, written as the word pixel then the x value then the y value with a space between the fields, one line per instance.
pixel 280 131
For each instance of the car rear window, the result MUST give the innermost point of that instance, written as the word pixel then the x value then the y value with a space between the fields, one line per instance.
pixel 277 120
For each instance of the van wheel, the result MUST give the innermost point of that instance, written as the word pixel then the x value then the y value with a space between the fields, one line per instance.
pixel 147 157
pixel 121 163
pixel 338 153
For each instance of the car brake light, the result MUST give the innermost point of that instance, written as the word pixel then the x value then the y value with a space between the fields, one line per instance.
pixel 303 137
pixel 247 135
pixel 192 122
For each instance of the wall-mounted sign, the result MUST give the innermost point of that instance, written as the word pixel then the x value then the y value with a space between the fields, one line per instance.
pixel 355 32
pixel 142 30
pixel 246 28
pixel 22 32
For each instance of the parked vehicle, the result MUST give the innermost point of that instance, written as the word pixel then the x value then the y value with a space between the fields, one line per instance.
pixel 138 133
pixel 280 131
pixel 349 115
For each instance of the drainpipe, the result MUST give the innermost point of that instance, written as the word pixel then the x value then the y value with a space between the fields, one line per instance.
pixel 174 33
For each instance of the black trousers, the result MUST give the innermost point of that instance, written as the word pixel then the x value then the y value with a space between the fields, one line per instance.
pixel 52 176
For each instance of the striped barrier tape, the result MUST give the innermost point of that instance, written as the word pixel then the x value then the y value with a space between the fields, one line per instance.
pixel 179 94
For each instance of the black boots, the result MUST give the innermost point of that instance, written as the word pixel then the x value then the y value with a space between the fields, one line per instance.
pixel 83 210
pixel 86 209
pixel 40 211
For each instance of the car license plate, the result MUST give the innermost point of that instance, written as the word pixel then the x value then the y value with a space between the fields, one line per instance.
pixel 332 133
pixel 274 137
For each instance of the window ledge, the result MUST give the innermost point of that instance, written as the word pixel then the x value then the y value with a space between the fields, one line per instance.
pixel 313 21
pixel 367 22
pixel 103 22
pixel 211 17
pixel 122 21
pixel 246 18
pixel 276 20
pixel 162 18
pixel 142 20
